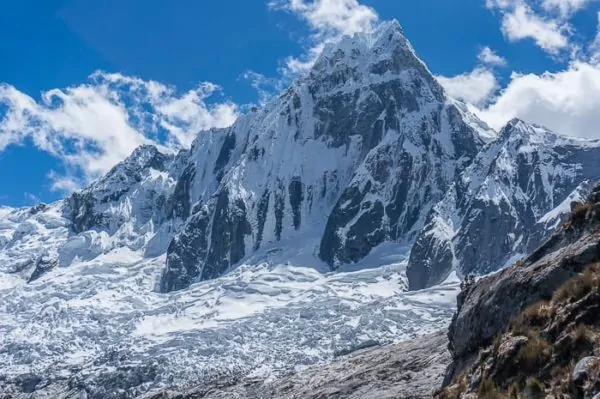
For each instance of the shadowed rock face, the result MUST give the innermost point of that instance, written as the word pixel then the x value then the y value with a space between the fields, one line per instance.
pixel 190 256
pixel 505 204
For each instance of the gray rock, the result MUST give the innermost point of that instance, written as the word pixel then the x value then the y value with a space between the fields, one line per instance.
pixel 581 371
pixel 486 307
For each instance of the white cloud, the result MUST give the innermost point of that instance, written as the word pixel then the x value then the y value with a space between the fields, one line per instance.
pixel 93 126
pixel 523 23
pixel 565 101
pixel 546 22
pixel 489 57
pixel 328 21
pixel 474 87
pixel 334 17
pixel 564 7
pixel 594 47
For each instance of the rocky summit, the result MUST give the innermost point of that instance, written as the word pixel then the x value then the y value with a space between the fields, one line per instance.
pixel 341 214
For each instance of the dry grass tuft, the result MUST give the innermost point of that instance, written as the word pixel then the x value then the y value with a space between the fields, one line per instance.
pixel 579 286
pixel 533 317
pixel 536 352
pixel 489 390
pixel 580 214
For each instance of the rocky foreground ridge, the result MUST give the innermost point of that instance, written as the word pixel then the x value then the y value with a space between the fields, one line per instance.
pixel 533 330
pixel 410 369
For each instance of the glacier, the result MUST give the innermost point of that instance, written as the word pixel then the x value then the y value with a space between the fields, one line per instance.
pixel 99 326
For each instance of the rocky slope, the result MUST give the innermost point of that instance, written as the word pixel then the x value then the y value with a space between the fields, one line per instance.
pixel 532 330
pixel 409 370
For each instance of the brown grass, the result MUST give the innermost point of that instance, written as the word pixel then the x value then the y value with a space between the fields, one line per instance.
pixel 534 316
pixel 534 386
pixel 536 352
pixel 580 214
pixel 489 390
pixel 455 390
pixel 579 286
pixel 540 365
pixel 582 333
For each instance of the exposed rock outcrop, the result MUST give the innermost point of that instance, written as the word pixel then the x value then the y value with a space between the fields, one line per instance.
pixel 351 155
pixel 525 328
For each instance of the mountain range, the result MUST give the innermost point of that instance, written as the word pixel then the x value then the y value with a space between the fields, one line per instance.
pixel 364 153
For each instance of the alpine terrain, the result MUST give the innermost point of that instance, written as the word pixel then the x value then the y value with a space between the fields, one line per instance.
pixel 338 217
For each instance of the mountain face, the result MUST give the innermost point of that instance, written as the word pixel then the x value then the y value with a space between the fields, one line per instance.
pixel 130 208
pixel 504 204
pixel 365 149
pixel 366 142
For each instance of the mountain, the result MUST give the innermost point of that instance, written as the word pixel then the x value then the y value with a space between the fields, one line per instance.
pixel 532 329
pixel 126 208
pixel 513 195
pixel 352 155
pixel 365 149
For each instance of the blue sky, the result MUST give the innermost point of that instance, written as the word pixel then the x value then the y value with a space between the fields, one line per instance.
pixel 191 65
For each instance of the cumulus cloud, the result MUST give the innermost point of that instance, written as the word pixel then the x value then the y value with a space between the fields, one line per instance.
pixel 474 87
pixel 523 23
pixel 489 57
pixel 566 101
pixel 93 126
pixel 546 22
pixel 328 20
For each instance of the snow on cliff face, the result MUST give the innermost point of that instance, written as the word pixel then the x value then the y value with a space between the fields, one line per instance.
pixel 353 155
pixel 505 204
